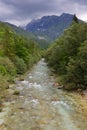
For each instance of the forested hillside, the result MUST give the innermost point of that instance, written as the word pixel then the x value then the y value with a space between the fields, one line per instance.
pixel 21 31
pixel 43 43
pixel 68 56
pixel 17 54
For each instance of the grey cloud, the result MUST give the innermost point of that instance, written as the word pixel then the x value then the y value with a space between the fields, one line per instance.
pixel 83 2
pixel 30 8
pixel 24 10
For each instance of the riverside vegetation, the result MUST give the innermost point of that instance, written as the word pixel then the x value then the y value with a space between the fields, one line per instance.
pixel 17 54
pixel 68 56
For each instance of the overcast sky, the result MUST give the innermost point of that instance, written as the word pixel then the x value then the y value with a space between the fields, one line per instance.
pixel 20 12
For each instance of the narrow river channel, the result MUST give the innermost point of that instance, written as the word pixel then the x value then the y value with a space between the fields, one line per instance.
pixel 41 106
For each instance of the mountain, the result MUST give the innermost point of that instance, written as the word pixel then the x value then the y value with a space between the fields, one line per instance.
pixel 49 28
pixel 43 43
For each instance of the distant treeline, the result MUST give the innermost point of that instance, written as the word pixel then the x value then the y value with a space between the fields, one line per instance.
pixel 68 56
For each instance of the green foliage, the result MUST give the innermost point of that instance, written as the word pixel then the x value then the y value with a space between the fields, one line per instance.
pixel 43 43
pixel 2 70
pixel 7 66
pixel 20 65
pixel 68 57
pixel 17 53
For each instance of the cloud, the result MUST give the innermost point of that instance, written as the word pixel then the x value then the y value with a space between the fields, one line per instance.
pixel 5 11
pixel 81 2
pixel 22 11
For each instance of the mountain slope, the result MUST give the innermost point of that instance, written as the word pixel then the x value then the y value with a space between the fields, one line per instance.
pixel 50 27
pixel 43 43
pixel 21 31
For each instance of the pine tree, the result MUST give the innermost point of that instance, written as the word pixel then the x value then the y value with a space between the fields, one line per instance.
pixel 75 19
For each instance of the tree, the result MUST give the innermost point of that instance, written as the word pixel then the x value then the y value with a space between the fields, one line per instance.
pixel 75 19
pixel 68 57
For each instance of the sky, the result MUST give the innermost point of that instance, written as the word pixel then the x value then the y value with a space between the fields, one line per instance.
pixel 21 12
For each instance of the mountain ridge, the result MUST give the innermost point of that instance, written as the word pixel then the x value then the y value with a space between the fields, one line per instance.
pixel 50 27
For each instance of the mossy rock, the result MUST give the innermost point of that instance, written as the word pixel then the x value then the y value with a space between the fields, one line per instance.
pixel 16 92
pixel 7 87
pixel 0 109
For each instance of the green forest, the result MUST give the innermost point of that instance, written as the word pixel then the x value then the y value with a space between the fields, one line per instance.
pixel 17 54
pixel 67 56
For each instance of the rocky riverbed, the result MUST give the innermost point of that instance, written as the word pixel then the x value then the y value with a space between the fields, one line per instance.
pixel 36 104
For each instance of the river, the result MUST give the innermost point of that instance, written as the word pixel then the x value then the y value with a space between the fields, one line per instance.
pixel 40 105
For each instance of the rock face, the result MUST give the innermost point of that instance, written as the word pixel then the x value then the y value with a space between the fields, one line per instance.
pixel 50 27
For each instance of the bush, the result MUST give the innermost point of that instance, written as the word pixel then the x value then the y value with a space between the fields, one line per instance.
pixel 3 70
pixel 3 82
pixel 6 66
pixel 70 86
pixel 20 65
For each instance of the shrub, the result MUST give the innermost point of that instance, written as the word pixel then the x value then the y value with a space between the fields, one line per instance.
pixel 3 70
pixel 6 66
pixel 20 65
